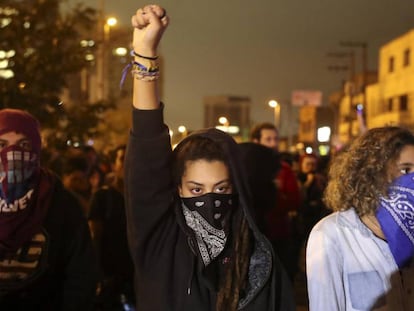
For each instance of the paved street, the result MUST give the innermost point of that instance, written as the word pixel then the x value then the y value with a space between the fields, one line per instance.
pixel 301 295
pixel 300 292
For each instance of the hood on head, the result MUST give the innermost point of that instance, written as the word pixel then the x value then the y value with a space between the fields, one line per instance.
pixel 19 121
pixel 238 172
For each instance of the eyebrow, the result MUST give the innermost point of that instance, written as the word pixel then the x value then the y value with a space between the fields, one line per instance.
pixel 406 164
pixel 17 142
pixel 216 184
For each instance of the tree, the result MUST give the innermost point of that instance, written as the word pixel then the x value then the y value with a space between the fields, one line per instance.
pixel 41 47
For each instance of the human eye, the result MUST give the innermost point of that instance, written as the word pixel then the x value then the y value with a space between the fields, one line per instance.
pixel 406 170
pixel 25 144
pixel 405 167
pixel 3 144
pixel 225 188
pixel 196 191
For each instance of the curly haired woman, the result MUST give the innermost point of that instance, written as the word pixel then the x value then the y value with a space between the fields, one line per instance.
pixel 360 257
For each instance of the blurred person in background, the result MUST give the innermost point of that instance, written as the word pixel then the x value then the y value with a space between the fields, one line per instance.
pixel 261 165
pixel 107 222
pixel 75 179
pixel 312 185
pixel 47 261
pixel 279 227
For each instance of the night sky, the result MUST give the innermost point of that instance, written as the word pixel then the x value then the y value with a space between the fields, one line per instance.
pixel 263 49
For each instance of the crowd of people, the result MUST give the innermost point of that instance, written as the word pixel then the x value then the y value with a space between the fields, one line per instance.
pixel 209 225
pixel 63 241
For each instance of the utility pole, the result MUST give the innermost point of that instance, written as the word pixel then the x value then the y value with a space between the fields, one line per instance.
pixel 100 59
pixel 351 65
pixel 351 78
pixel 364 58
pixel 364 64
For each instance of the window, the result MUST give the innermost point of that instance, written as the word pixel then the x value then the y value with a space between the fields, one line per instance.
pixel 391 64
pixel 389 104
pixel 407 55
pixel 403 103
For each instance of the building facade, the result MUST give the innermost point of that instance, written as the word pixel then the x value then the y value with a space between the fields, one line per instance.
pixel 390 101
pixel 231 112
pixel 313 120
pixel 349 108
pixel 386 99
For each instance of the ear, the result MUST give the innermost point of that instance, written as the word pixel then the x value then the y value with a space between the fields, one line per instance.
pixel 255 140
pixel 180 190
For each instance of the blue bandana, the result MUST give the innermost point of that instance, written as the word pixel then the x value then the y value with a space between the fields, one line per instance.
pixel 396 217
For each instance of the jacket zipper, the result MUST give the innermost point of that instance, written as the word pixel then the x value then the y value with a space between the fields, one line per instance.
pixel 190 280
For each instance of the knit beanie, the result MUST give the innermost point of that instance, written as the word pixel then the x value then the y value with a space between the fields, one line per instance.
pixel 19 121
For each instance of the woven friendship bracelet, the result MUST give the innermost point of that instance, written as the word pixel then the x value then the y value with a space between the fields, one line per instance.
pixel 145 76
pixel 141 67
pixel 140 72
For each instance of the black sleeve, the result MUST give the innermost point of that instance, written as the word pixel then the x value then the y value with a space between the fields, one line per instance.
pixel 147 179
pixel 98 206
pixel 80 266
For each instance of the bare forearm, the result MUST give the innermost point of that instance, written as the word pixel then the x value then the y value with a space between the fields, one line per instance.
pixel 149 24
pixel 146 95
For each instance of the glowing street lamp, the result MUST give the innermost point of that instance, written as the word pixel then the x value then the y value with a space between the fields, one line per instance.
pixel 276 109
pixel 111 21
pixel 224 121
pixel 224 124
pixel 182 130
pixel 324 134
pixel 102 61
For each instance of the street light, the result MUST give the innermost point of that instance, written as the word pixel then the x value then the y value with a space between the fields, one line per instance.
pixel 276 108
pixel 111 21
pixel 226 127
pixel 183 131
pixel 224 124
pixel 103 55
pixel 324 137
pixel 224 121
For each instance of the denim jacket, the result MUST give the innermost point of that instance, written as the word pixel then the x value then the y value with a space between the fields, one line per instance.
pixel 349 268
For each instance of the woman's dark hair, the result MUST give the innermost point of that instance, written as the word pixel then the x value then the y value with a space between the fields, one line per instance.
pixel 192 149
pixel 359 175
pixel 233 281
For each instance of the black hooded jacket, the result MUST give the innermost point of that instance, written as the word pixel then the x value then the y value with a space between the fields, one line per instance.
pixel 169 274
pixel 56 270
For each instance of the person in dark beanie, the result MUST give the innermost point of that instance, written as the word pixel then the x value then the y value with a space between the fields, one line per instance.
pixel 46 255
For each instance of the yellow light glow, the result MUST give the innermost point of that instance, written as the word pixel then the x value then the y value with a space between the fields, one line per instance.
pixel 273 103
pixel 223 120
pixel 111 21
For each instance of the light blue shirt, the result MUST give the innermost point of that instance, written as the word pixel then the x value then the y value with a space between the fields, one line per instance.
pixel 349 268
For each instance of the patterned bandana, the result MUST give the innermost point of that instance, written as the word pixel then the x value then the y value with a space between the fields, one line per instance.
pixel 396 217
pixel 208 216
pixel 17 167
pixel 20 223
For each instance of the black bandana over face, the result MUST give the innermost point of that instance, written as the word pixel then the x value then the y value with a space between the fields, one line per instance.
pixel 209 216
pixel 213 207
